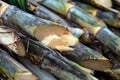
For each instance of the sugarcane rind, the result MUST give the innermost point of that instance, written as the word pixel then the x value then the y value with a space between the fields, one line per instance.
pixel 64 74
pixel 89 23
pixel 63 6
pixel 90 9
pixel 5 73
pixel 81 68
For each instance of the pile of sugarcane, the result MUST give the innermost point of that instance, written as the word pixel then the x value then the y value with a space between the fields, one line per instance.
pixel 59 39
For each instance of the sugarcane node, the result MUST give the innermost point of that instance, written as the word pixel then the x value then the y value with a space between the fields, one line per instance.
pixel 86 37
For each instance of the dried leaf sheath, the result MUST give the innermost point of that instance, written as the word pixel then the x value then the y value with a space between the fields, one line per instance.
pixel 12 69
pixel 34 26
pixel 9 39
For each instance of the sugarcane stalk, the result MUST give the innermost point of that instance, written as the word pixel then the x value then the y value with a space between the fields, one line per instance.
pixel 45 13
pixel 96 26
pixel 110 18
pixel 37 53
pixel 41 74
pixel 60 73
pixel 9 39
pixel 81 55
pixel 12 69
pixel 84 56
pixel 75 14
pixel 100 3
pixel 36 27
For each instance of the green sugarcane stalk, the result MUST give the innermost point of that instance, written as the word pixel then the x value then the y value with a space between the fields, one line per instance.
pixel 110 18
pixel 96 26
pixel 75 14
pixel 41 74
pixel 12 69
pixel 12 41
pixel 34 26
pixel 42 12
pixel 45 13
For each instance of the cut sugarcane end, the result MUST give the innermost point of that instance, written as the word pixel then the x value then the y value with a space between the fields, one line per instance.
pixel 18 48
pixel 100 65
pixel 56 37
pixel 3 7
pixel 103 3
pixel 70 39
pixel 55 42
pixel 46 30
pixel 25 75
